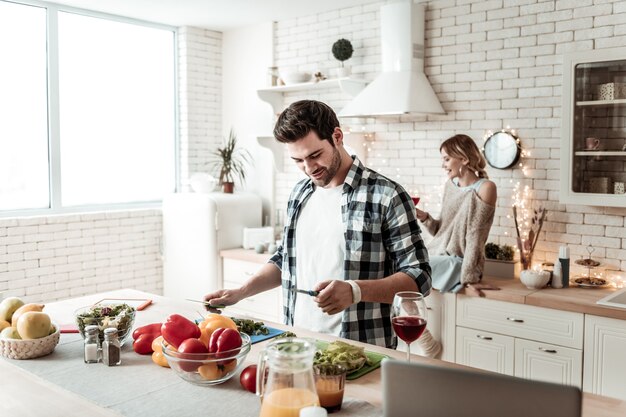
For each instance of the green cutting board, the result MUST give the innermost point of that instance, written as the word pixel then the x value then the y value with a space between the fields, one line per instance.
pixel 374 358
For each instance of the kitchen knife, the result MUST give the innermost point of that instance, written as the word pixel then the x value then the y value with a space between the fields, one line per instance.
pixel 308 292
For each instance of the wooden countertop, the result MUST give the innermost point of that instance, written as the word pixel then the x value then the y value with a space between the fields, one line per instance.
pixel 578 300
pixel 25 394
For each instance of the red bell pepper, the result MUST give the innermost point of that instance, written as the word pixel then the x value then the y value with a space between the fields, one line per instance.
pixel 143 337
pixel 177 328
pixel 224 340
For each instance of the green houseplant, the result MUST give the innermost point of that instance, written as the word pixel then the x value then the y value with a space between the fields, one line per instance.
pixel 230 162
pixel 342 50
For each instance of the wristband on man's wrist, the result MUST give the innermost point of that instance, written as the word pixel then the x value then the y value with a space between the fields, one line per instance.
pixel 356 292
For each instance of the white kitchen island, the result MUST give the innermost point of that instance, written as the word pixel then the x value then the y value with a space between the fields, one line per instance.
pixel 60 384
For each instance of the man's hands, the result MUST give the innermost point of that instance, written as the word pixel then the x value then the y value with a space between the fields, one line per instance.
pixel 223 297
pixel 334 297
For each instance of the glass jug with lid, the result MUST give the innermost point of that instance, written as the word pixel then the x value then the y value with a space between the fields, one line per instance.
pixel 290 385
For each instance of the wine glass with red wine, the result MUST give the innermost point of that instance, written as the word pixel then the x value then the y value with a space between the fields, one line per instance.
pixel 408 317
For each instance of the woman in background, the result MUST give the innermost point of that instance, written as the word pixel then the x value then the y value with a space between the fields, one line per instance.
pixel 457 250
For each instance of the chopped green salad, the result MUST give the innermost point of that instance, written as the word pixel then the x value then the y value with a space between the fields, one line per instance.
pixel 118 316
pixel 338 352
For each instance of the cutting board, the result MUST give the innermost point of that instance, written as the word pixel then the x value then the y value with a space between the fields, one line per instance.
pixel 374 358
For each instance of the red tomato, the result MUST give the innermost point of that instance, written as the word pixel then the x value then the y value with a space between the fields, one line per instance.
pixel 192 347
pixel 248 378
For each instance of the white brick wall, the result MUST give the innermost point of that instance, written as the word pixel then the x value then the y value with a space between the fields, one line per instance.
pixel 200 97
pixel 50 258
pixel 492 64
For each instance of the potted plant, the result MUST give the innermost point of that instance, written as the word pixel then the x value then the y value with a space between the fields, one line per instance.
pixel 229 162
pixel 342 51
pixel 499 262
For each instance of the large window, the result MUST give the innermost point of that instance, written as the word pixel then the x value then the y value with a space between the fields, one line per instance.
pixel 101 130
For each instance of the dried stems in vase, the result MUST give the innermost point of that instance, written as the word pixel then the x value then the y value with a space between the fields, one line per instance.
pixel 527 245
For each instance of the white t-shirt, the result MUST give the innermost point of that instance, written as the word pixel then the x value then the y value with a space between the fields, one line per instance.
pixel 320 254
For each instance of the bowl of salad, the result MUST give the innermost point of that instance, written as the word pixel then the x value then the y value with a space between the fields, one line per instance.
pixel 118 316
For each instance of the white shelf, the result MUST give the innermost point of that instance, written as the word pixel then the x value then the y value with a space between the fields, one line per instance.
pixel 269 142
pixel 601 103
pixel 600 153
pixel 274 95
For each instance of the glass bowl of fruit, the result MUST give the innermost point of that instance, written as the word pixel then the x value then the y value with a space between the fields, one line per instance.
pixel 195 364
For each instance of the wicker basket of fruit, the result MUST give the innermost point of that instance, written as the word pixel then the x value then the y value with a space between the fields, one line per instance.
pixel 29 348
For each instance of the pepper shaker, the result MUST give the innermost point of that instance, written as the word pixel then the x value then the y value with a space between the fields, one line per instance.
pixel 111 348
pixel 92 344
pixel 564 261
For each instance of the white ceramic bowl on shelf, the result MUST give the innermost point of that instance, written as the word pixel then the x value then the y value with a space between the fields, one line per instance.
pixel 294 77
pixel 534 279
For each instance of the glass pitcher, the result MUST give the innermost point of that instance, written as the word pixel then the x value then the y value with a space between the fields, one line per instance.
pixel 290 385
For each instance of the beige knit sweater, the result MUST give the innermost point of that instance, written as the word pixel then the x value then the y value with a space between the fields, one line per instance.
pixel 462 230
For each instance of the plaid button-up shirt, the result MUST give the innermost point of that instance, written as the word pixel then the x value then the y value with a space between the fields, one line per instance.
pixel 382 237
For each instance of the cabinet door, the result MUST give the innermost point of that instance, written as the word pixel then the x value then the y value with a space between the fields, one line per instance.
pixel 264 306
pixel 484 350
pixel 549 363
pixel 605 356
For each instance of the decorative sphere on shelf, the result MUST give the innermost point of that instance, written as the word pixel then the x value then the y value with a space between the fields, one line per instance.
pixel 259 248
pixel 271 248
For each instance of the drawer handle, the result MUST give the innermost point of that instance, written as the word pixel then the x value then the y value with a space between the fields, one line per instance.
pixel 249 273
pixel 484 337
pixel 513 319
pixel 428 308
pixel 547 350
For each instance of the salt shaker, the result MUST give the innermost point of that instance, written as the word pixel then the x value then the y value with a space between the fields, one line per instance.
pixel 92 344
pixel 111 348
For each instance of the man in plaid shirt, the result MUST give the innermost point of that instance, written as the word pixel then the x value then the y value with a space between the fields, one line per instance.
pixel 351 235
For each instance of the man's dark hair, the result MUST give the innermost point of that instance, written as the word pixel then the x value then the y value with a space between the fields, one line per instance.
pixel 304 116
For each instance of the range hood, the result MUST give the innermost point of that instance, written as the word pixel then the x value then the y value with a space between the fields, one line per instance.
pixel 402 87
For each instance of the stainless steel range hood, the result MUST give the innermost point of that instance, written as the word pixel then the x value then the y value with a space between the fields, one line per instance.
pixel 402 87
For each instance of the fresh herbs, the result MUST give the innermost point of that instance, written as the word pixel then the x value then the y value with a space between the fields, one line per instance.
pixel 251 327
pixel 351 357
pixel 286 334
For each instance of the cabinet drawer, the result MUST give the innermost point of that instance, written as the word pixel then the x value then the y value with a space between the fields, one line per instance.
pixel 548 363
pixel 484 350
pixel 236 271
pixel 529 322
pixel 263 306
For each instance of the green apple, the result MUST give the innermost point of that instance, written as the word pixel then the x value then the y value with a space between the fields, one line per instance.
pixel 8 307
pixel 10 333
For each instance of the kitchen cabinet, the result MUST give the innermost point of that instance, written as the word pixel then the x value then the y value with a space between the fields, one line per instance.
pixel 264 306
pixel 441 313
pixel 605 348
pixel 593 144
pixel 526 341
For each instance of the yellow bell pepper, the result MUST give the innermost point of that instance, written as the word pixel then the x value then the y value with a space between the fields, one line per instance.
pixel 213 322
pixel 157 356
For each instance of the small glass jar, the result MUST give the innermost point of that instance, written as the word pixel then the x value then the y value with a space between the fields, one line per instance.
pixel 92 344
pixel 111 348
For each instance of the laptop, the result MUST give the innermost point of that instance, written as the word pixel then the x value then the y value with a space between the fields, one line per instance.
pixel 417 389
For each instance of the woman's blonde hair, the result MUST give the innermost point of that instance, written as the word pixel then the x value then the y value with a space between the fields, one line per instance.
pixel 463 147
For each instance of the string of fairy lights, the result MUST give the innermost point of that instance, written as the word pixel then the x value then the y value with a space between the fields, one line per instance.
pixel 522 195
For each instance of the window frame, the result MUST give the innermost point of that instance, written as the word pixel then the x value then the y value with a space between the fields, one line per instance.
pixel 54 140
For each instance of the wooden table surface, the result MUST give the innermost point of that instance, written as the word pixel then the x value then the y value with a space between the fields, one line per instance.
pixel 24 394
